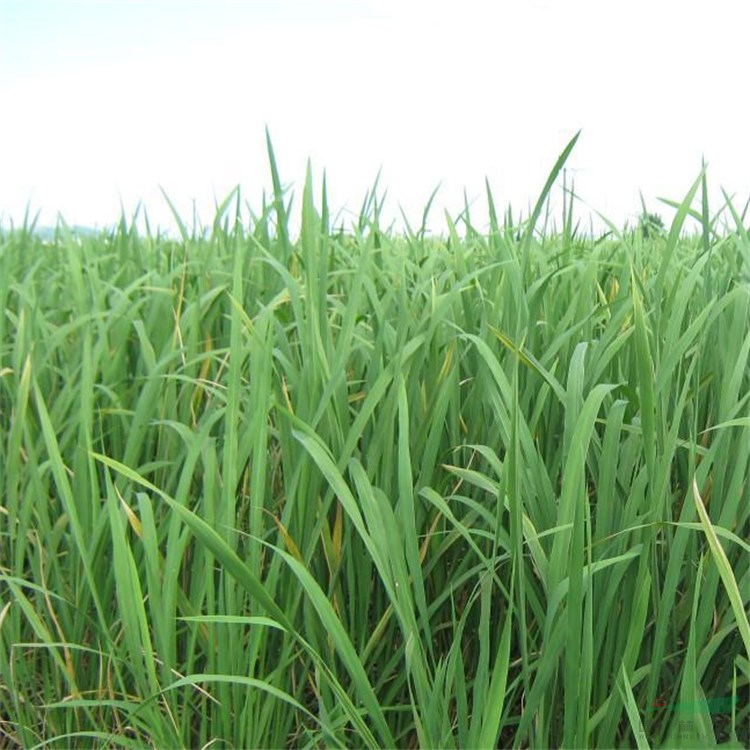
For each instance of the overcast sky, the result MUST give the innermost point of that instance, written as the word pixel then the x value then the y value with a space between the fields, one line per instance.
pixel 103 102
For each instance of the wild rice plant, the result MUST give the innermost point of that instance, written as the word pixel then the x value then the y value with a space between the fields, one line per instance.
pixel 368 489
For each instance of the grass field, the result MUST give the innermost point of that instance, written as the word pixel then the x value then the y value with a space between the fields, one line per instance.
pixel 366 489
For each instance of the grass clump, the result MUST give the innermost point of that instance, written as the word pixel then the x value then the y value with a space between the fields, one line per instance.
pixel 374 490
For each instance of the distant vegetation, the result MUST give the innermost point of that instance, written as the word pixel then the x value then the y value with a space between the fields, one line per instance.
pixel 650 225
pixel 358 489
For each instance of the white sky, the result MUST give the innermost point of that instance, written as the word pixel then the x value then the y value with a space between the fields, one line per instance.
pixel 103 102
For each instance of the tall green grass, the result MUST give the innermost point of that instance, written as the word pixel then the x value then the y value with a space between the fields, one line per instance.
pixel 361 489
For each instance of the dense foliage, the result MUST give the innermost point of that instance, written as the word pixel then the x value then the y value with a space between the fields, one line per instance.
pixel 361 489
